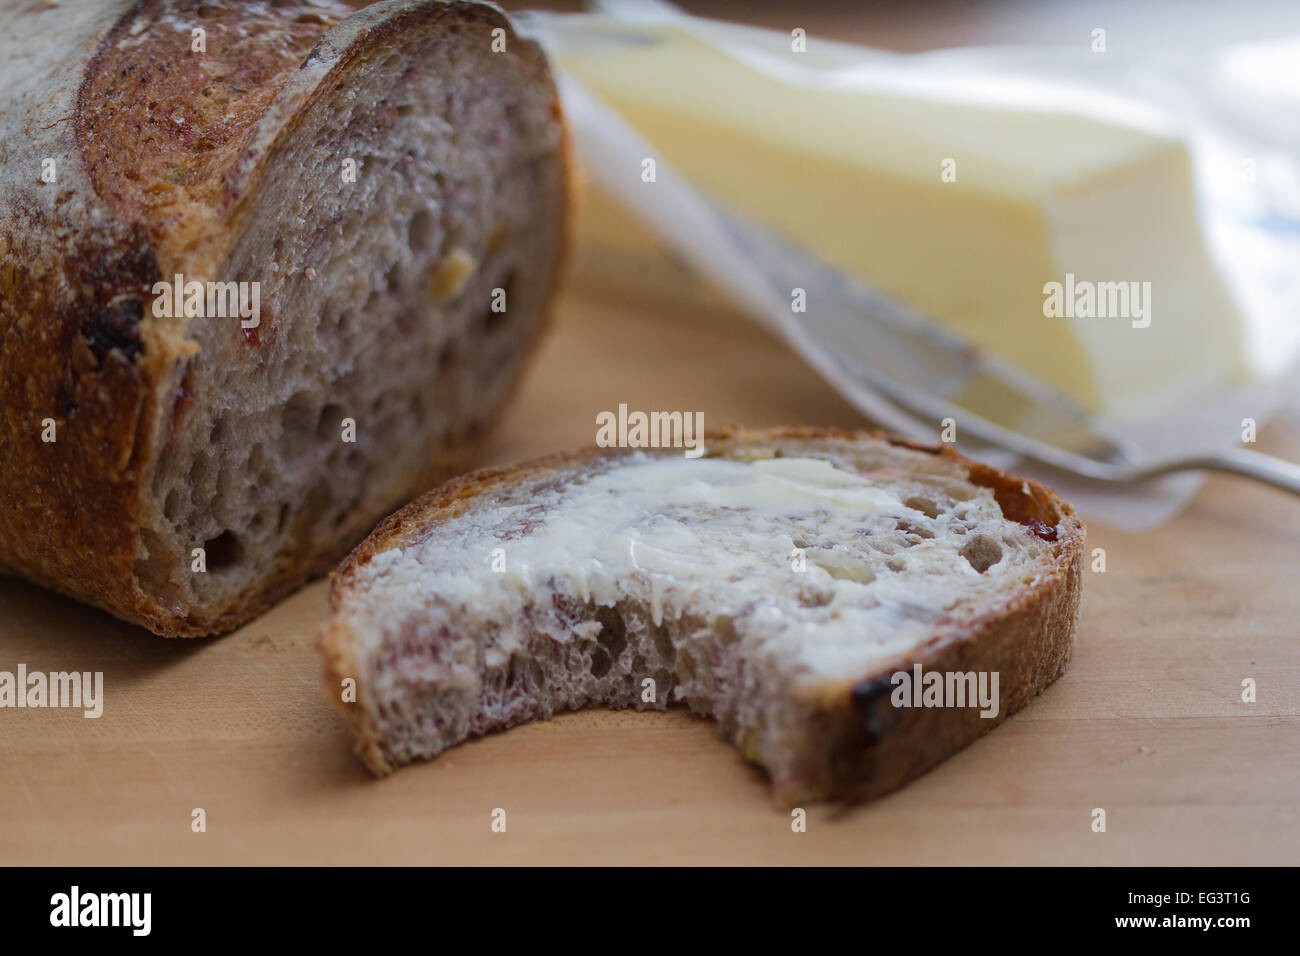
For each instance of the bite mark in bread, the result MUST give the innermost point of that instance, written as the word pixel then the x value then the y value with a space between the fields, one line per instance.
pixel 625 573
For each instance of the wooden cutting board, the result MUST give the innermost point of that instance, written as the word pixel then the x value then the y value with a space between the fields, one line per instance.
pixel 1148 723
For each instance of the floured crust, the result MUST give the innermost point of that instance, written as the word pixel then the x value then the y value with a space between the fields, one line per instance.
pixel 868 746
pixel 136 202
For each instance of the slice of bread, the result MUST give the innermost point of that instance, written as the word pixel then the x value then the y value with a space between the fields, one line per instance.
pixel 777 584
pixel 391 177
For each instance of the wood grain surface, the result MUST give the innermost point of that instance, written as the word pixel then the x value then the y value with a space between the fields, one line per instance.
pixel 1148 723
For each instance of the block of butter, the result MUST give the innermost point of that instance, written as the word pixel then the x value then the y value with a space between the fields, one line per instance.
pixel 1067 244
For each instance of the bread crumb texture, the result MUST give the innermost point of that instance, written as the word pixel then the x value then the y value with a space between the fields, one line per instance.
pixel 743 584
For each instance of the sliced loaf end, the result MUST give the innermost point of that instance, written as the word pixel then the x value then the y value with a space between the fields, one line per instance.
pixel 402 203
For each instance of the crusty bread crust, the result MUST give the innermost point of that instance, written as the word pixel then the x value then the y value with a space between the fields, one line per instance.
pixel 870 746
pixel 79 344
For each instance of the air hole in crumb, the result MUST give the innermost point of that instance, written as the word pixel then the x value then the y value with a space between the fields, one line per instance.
pixel 298 424
pixel 419 234
pixel 924 505
pixel 912 528
pixel 315 505
pixel 201 478
pixel 600 663
pixel 172 506
pixel 982 552
pixel 221 552
pixel 613 631
pixel 525 673
pixel 282 518
pixel 329 425
pixel 663 643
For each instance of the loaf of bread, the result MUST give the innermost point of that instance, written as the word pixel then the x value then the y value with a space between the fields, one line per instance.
pixel 781 584
pixel 267 269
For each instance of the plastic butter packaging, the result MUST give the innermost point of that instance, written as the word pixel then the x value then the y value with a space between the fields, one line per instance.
pixel 1100 241
pixel 962 210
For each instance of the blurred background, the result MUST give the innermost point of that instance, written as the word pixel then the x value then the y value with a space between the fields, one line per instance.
pixel 929 25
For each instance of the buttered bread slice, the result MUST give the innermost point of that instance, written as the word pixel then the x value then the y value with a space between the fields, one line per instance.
pixel 849 608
